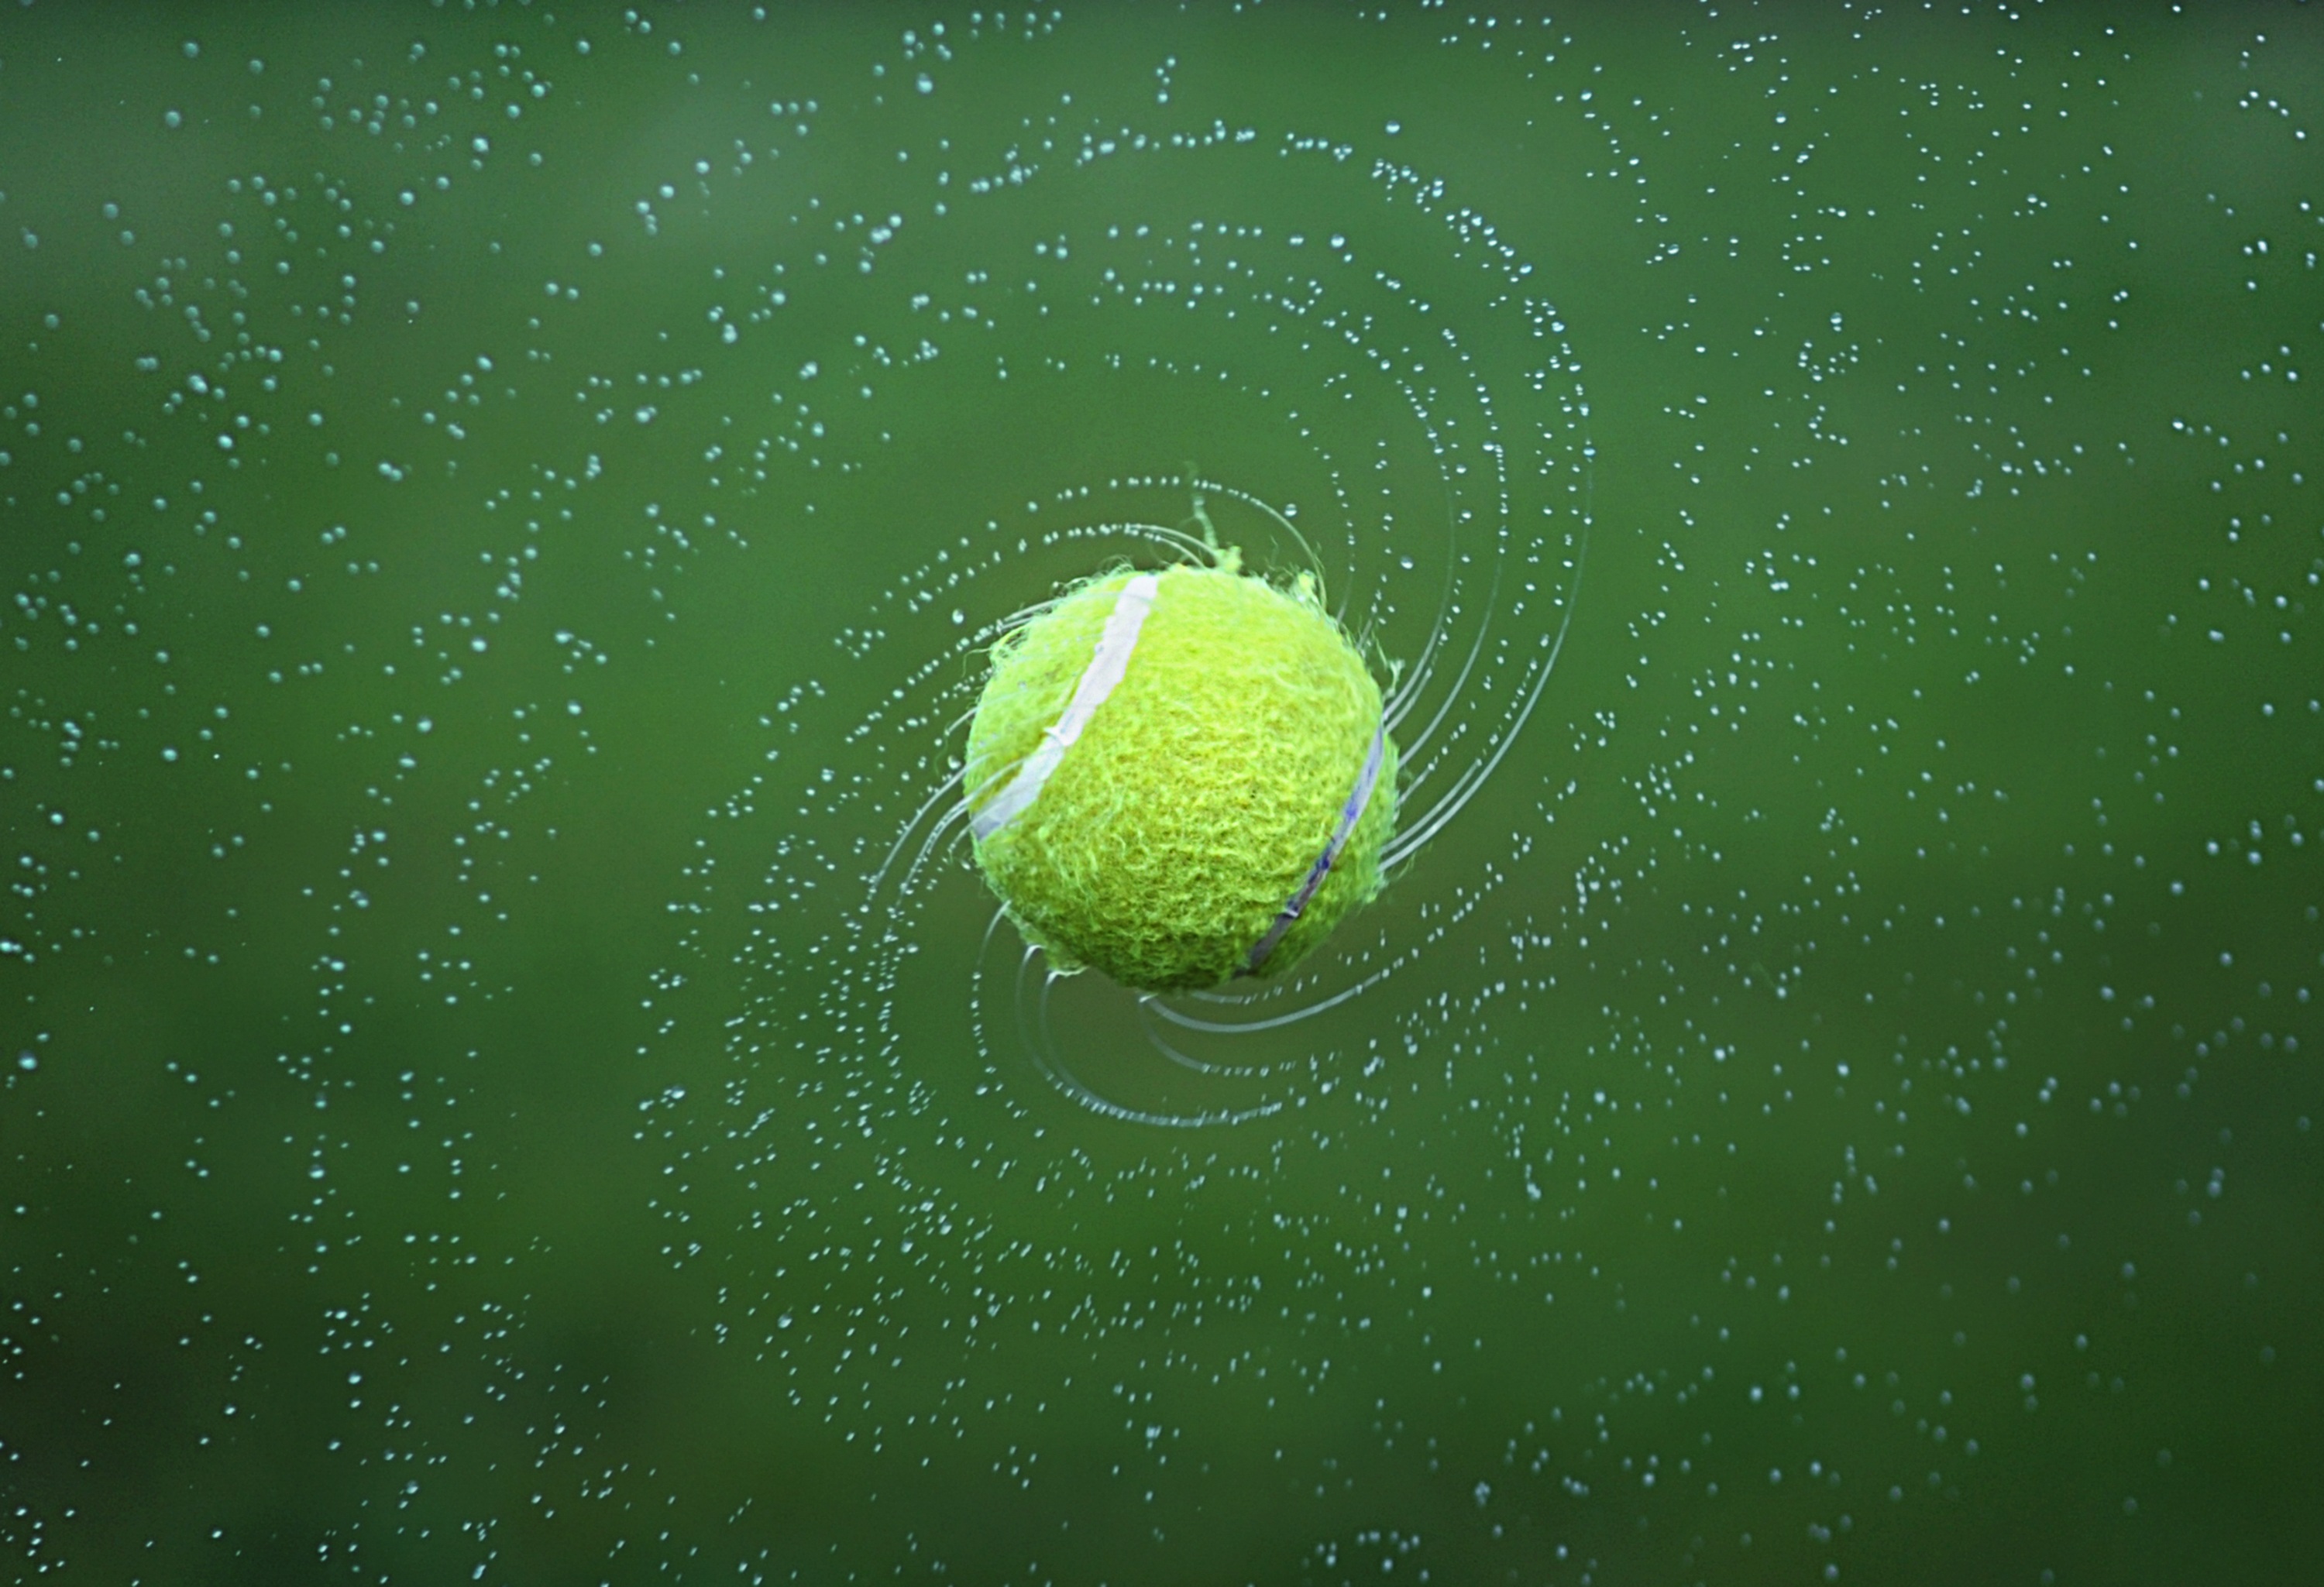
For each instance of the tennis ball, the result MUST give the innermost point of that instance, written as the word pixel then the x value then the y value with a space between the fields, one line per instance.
pixel 1180 778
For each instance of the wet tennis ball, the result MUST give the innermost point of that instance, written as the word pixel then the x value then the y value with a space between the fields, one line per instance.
pixel 1180 778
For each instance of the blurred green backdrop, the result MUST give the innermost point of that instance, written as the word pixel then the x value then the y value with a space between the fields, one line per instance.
pixel 501 507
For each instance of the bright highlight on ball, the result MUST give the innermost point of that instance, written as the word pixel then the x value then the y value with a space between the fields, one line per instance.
pixel 1180 778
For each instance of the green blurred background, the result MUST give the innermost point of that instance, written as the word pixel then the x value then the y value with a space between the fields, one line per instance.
pixel 502 506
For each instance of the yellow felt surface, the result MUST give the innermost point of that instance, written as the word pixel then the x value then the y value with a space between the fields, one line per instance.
pixel 1200 792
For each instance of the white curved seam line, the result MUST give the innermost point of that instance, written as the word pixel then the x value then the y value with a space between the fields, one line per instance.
pixel 1107 664
pixel 1349 814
